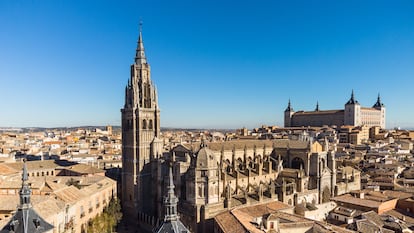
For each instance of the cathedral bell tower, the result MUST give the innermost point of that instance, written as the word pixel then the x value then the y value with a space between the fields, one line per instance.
pixel 140 132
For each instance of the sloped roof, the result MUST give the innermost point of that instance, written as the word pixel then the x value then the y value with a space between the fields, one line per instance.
pixel 365 226
pixel 49 207
pixel 70 194
pixel 6 170
pixel 246 214
pixel 172 227
pixel 84 169
pixel 33 165
pixel 401 214
pixel 35 223
pixel 228 223
pixel 320 112
pixel 10 202
pixel 93 188
pixel 373 217
pixel 347 198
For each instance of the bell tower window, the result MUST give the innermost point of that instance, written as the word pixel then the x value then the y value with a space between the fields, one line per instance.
pixel 150 124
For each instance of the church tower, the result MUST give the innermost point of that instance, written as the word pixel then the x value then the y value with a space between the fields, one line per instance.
pixel 140 143
pixel 288 115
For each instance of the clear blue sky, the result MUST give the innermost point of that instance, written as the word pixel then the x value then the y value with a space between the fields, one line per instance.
pixel 216 63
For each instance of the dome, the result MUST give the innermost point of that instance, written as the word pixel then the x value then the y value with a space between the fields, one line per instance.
pixel 206 158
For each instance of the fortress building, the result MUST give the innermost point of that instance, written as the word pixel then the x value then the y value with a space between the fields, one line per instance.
pixel 353 114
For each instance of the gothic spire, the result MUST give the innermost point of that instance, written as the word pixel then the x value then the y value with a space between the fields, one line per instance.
pixel 25 191
pixel 289 107
pixel 172 223
pixel 25 176
pixel 378 104
pixel 170 201
pixel 140 54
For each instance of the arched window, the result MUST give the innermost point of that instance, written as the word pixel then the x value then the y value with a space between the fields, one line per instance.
pixel 150 124
pixel 144 124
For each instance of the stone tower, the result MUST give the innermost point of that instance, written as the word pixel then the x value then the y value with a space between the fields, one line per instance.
pixel 140 144
pixel 288 115
pixel 380 106
pixel 352 115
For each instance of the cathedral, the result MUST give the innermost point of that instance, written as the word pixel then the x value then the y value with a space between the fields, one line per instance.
pixel 192 183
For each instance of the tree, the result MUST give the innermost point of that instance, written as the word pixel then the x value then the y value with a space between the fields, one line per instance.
pixel 108 219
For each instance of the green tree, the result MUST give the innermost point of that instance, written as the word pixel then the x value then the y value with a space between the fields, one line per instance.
pixel 108 219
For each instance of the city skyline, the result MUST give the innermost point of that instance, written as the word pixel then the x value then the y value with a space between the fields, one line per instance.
pixel 67 63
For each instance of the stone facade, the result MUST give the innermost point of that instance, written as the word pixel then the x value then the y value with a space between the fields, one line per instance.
pixel 218 176
pixel 140 143
pixel 353 114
